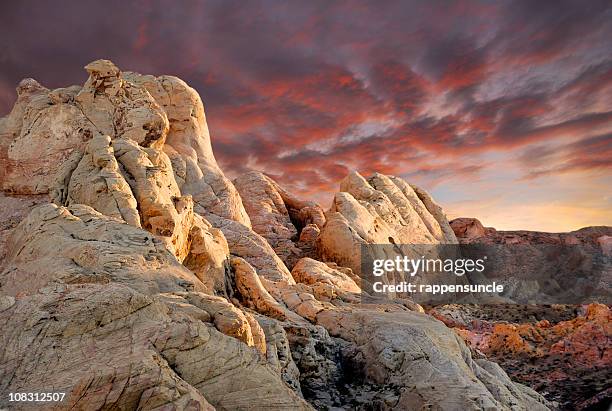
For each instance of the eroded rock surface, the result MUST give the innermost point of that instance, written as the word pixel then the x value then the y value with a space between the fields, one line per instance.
pixel 39 134
pixel 412 362
pixel 109 345
pixel 13 209
pixel 143 325
pixel 278 216
pixel 152 282
pixel 380 210
pixel 189 148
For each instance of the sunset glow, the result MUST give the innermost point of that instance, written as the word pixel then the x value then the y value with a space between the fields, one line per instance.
pixel 503 111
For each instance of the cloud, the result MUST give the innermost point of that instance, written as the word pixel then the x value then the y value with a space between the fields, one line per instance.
pixel 589 154
pixel 306 91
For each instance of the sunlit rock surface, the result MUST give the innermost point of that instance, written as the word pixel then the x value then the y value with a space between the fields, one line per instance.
pixel 135 275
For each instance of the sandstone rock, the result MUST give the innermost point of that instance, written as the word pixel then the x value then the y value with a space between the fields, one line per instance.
pixel 311 272
pixel 278 352
pixel 544 349
pixel 319 360
pixel 120 108
pixel 244 242
pixel 77 244
pixel 259 339
pixel 447 235
pixel 6 302
pixel 278 216
pixel 268 214
pixel 13 209
pixel 416 362
pixel 543 268
pixel 163 211
pixel 97 182
pixel 467 228
pixel 208 254
pixel 338 242
pixel 605 242
pixel 92 288
pixel 37 136
pixel 123 172
pixel 188 145
pixel 408 211
pixel 136 185
pixel 587 236
pixel 45 127
pixel 307 242
pixel 109 346
pixel 380 210
pixel 227 319
pixel 255 295
pixel 386 342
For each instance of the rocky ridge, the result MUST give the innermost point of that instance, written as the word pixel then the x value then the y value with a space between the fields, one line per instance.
pixel 135 275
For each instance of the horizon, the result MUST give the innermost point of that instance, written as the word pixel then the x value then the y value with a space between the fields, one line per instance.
pixel 502 111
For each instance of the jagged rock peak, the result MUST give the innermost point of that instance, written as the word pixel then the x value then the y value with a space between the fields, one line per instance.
pixel 47 128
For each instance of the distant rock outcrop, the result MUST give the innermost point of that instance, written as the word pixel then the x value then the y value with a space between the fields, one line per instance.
pixel 549 348
pixel 563 350
pixel 467 229
pixel 543 268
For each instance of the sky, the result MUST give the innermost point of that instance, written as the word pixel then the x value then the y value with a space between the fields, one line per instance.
pixel 502 110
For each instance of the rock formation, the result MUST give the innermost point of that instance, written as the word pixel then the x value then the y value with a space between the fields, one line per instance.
pixel 380 210
pixel 541 268
pixel 280 217
pixel 470 230
pixel 135 275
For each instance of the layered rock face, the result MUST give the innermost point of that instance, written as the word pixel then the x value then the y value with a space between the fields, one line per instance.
pixel 380 210
pixel 135 275
pixel 288 224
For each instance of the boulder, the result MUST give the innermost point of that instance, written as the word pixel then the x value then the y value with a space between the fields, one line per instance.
pixel 311 272
pixel 467 228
